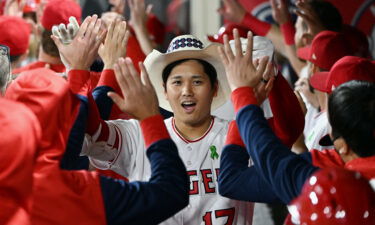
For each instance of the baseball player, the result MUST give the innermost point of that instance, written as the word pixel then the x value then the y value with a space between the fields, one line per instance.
pixel 284 171
pixel 190 81
pixel 81 196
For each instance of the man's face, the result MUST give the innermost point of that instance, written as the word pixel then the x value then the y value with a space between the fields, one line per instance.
pixel 189 92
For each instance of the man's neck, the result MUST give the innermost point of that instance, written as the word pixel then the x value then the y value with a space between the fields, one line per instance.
pixel 44 57
pixel 193 131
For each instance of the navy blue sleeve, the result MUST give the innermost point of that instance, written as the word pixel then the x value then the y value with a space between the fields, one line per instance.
pixel 103 102
pixel 71 159
pixel 151 202
pixel 239 181
pixel 278 165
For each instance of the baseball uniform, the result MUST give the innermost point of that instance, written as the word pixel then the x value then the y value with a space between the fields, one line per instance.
pixel 122 150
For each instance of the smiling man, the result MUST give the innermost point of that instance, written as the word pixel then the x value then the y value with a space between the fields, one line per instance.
pixel 190 81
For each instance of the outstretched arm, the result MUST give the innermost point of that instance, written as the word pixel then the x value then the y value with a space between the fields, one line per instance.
pixel 238 180
pixel 167 191
pixel 285 171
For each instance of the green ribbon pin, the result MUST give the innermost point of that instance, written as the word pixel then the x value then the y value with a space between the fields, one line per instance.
pixel 214 154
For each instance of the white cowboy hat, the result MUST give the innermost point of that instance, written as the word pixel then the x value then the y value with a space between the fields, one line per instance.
pixel 187 47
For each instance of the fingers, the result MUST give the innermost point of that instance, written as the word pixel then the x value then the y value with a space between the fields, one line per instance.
pixel 237 43
pixel 223 56
pixel 111 30
pixel 57 41
pixel 249 47
pixel 64 32
pixel 122 32
pixel 121 72
pixel 227 49
pixel 56 32
pixel 83 28
pixel 267 73
pixel 144 75
pixel 74 23
pixel 262 67
pixel 134 78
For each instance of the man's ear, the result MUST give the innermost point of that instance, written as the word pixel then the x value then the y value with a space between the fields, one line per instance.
pixel 216 89
pixel 165 91
pixel 306 39
pixel 346 153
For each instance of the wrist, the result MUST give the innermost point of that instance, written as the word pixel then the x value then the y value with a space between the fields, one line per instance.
pixel 153 129
pixel 288 32
pixel 242 97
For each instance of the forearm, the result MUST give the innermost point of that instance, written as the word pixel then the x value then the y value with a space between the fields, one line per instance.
pixel 239 181
pixel 142 35
pixel 165 194
pixel 277 165
pixel 71 159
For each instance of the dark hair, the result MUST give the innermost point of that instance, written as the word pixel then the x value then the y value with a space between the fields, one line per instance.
pixel 328 15
pixel 351 109
pixel 14 58
pixel 207 67
pixel 48 45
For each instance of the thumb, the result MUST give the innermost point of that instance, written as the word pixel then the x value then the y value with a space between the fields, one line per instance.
pixel 117 99
pixel 57 41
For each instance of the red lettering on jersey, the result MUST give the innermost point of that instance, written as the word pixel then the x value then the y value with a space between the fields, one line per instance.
pixel 207 181
pixel 193 184
pixel 226 213
pixel 217 173
pixel 207 218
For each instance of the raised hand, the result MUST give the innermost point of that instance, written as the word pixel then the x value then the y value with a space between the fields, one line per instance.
pixel 138 13
pixel 263 89
pixel 232 11
pixel 14 7
pixel 240 69
pixel 280 12
pixel 140 99
pixel 310 17
pixel 66 33
pixel 114 46
pixel 83 49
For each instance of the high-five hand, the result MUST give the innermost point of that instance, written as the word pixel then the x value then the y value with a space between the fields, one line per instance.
pixel 240 69
pixel 83 49
pixel 140 99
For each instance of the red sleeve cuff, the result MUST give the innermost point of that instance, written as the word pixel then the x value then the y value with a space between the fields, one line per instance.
pixel 108 78
pixel 242 97
pixel 77 80
pixel 255 25
pixel 288 31
pixel 233 136
pixel 153 129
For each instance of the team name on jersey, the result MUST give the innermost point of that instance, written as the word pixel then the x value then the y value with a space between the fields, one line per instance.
pixel 203 181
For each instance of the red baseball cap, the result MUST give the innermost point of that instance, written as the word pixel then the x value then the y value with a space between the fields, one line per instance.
pixel 30 6
pixel 59 11
pixel 334 196
pixel 326 48
pixel 15 33
pixel 346 69
pixel 228 30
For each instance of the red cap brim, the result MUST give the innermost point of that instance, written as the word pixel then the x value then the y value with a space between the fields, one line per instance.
pixel 304 52
pixel 319 81
pixel 213 38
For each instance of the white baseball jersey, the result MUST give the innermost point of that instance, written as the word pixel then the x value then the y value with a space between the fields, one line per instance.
pixel 319 129
pixel 206 206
